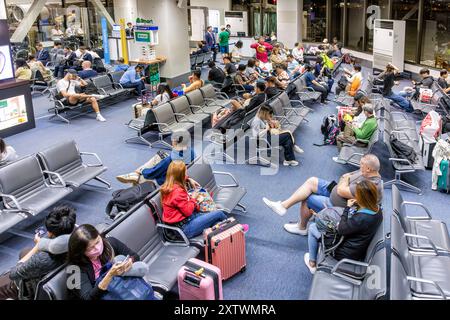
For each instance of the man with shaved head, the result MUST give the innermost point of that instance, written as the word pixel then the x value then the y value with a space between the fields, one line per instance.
pixel 87 71
pixel 317 194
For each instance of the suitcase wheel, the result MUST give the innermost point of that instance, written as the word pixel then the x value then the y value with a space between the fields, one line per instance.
pixel 243 269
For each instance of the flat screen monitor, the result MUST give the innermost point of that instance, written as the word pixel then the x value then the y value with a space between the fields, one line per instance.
pixel 6 68
pixel 13 112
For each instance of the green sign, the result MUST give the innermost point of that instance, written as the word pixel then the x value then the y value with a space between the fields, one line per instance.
pixel 142 36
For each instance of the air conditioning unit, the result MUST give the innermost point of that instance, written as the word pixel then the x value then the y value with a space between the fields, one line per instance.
pixel 389 43
pixel 238 21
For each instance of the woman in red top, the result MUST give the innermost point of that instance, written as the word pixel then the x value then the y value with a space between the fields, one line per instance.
pixel 182 210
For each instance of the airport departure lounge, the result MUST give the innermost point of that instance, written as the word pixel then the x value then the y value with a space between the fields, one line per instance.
pixel 260 150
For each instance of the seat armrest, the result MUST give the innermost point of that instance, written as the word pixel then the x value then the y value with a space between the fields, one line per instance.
pixel 418 204
pixel 13 199
pixel 58 176
pixel 415 236
pixel 183 116
pixel 118 84
pixel 433 283
pixel 335 271
pixel 197 107
pixel 163 124
pixel 99 164
pixel 236 183
pixel 103 91
pixel 183 236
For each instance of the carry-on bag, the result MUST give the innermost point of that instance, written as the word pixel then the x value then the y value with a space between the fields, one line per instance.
pixel 225 247
pixel 199 280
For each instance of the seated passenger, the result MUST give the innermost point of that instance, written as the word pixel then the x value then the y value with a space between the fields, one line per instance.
pixel 236 52
pixel 275 57
pixel 425 82
pixel 311 82
pixel 133 78
pixel 355 81
pixel 180 209
pixel 163 94
pixel 23 71
pixel 271 87
pixel 264 126
pixel 66 62
pixel 359 222
pixel 242 79
pixel 215 73
pixel 195 82
pixel 250 71
pixel 223 113
pixel 294 68
pixel 42 54
pixel 180 151
pixel 282 76
pixel 317 194
pixel 7 153
pixel 47 255
pixel 67 87
pixel 298 52
pixel 321 71
pixel 36 65
pixel 121 66
pixel 91 252
pixel 388 77
pixel 87 71
pixel 251 102
pixel 230 68
pixel 442 81
pixel 354 132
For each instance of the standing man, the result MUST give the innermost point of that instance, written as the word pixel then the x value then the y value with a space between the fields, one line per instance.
pixel 224 38
pixel 210 39
pixel 228 29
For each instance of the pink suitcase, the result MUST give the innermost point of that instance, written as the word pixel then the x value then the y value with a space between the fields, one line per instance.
pixel 199 280
pixel 225 247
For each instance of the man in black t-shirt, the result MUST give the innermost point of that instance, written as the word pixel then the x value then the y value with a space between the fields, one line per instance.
pixel 216 74
pixel 250 102
pixel 388 77
pixel 442 81
pixel 230 68
pixel 271 88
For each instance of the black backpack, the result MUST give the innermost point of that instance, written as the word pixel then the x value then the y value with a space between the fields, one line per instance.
pixel 402 150
pixel 124 199
pixel 330 130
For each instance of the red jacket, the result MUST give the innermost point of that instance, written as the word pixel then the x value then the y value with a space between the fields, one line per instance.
pixel 178 206
pixel 262 51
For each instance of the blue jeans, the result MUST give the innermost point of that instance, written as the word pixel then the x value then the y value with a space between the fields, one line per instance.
pixel 321 199
pixel 330 84
pixel 401 102
pixel 201 221
pixel 249 88
pixel 224 49
pixel 139 86
pixel 313 241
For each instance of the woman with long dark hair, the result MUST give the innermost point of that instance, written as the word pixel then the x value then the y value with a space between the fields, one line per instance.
pixel 163 94
pixel 91 252
pixel 359 223
pixel 23 71
pixel 7 153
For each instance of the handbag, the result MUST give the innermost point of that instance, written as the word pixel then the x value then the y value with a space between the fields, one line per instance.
pixel 207 204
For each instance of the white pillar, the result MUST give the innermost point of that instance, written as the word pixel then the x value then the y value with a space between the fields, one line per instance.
pixel 3 14
pixel 289 21
pixel 173 36
pixel 126 9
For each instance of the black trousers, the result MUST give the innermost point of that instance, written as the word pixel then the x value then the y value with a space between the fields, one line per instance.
pixel 322 90
pixel 285 141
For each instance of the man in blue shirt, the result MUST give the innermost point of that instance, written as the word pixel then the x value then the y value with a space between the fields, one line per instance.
pixel 42 55
pixel 132 78
pixel 210 39
pixel 311 82
pixel 87 71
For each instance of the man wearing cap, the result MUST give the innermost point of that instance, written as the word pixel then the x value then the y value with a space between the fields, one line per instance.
pixel 354 134
pixel 156 171
pixel 67 87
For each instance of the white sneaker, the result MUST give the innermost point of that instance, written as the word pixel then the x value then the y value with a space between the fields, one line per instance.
pixel 98 96
pixel 337 160
pixel 100 118
pixel 291 163
pixel 306 260
pixel 298 149
pixel 276 207
pixel 294 228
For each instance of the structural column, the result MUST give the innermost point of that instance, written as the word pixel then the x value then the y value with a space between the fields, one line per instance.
pixel 173 37
pixel 125 9
pixel 289 21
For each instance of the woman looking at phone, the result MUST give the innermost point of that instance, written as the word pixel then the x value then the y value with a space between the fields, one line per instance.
pixel 359 223
pixel 91 252
pixel 181 209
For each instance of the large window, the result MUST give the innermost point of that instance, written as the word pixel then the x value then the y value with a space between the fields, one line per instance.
pixel 436 34
pixel 408 10
pixel 337 16
pixel 355 24
pixel 314 20
pixel 377 9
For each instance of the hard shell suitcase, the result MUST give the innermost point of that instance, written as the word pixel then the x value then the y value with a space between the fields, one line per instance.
pixel 225 247
pixel 427 153
pixel 444 180
pixel 199 280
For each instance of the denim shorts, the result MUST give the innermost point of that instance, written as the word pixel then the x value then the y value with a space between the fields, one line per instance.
pixel 321 199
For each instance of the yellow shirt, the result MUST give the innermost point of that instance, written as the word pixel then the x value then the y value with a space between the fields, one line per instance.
pixel 23 74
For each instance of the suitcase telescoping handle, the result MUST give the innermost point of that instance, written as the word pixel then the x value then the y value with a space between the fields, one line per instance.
pixel 192 280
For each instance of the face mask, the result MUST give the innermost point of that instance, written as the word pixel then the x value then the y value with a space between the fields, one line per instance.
pixel 95 252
